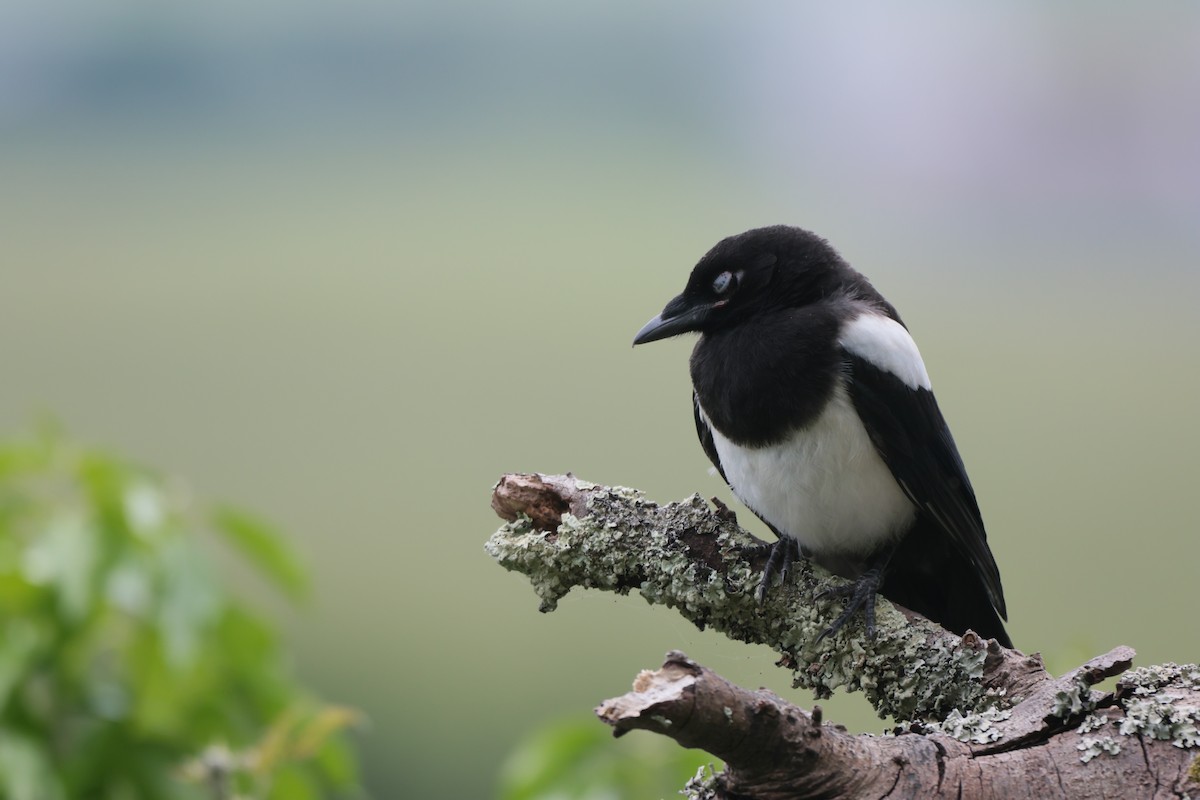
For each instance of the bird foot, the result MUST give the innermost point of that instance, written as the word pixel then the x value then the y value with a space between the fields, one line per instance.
pixel 783 553
pixel 862 594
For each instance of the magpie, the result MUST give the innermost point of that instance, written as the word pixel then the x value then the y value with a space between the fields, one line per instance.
pixel 814 405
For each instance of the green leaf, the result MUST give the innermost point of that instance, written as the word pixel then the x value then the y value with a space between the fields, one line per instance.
pixel 190 602
pixel 64 557
pixel 25 771
pixel 548 758
pixel 262 545
pixel 22 457
pixel 145 507
pixel 293 783
pixel 337 763
pixel 577 759
pixel 21 642
pixel 120 646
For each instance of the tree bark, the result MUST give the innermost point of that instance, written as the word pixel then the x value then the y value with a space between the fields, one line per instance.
pixel 974 720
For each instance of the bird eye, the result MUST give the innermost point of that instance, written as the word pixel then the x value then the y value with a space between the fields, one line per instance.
pixel 724 283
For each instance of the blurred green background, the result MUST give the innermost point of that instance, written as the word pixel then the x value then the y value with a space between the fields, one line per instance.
pixel 346 264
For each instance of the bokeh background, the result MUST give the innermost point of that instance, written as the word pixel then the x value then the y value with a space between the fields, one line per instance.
pixel 345 264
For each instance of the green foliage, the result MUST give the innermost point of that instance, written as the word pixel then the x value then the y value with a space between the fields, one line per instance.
pixel 126 670
pixel 262 545
pixel 577 759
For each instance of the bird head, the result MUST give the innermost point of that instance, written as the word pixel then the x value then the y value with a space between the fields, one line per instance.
pixel 747 274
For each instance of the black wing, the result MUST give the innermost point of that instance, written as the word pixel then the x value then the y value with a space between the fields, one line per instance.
pixel 704 432
pixel 908 430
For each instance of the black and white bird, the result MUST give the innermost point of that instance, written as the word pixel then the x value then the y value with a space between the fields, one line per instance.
pixel 813 402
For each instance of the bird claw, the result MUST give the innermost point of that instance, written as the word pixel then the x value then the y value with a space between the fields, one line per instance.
pixel 862 594
pixel 783 554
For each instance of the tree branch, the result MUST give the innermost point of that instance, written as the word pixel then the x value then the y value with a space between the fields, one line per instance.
pixel 564 533
pixel 776 751
pixel 976 717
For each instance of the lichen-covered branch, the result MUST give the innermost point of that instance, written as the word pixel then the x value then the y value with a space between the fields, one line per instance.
pixel 977 720
pixel 565 533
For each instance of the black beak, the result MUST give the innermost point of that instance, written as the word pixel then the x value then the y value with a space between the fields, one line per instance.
pixel 678 317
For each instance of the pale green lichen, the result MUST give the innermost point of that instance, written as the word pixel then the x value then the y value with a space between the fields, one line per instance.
pixel 1079 699
pixel 975 728
pixel 703 785
pixel 1148 680
pixel 1162 702
pixel 902 674
pixel 1157 702
pixel 1091 747
pixel 627 542
pixel 1162 717
pixel 624 491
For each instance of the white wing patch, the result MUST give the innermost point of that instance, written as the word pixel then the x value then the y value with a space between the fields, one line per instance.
pixel 886 344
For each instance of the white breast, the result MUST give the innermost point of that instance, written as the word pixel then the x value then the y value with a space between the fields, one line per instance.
pixel 824 486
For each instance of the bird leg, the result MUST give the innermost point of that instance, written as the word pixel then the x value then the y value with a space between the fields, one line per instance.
pixel 783 553
pixel 861 594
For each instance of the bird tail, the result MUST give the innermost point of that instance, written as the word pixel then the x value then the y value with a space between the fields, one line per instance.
pixel 927 574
